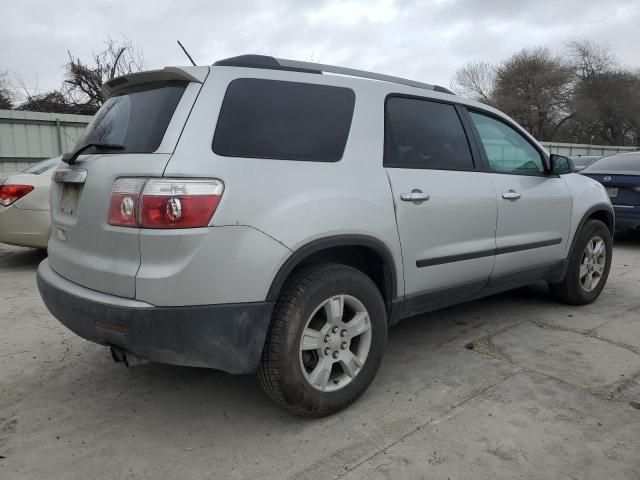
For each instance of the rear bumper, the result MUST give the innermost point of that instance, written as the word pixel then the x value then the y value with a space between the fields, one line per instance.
pixel 627 217
pixel 227 337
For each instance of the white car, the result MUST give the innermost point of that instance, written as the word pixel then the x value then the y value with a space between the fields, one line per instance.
pixel 24 205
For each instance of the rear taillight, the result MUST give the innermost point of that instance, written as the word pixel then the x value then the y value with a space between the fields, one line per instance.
pixel 179 203
pixel 125 202
pixel 164 203
pixel 12 193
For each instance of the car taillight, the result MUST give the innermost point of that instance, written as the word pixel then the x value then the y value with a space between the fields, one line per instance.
pixel 125 202
pixel 12 193
pixel 164 203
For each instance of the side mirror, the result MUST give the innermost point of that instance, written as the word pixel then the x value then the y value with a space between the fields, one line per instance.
pixel 561 165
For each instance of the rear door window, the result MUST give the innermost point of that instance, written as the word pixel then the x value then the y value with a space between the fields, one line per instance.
pixel 425 134
pixel 284 120
pixel 136 117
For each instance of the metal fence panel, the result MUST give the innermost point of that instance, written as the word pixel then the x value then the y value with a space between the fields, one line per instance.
pixel 29 137
pixel 572 149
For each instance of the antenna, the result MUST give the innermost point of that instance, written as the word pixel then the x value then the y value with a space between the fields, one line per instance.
pixel 187 53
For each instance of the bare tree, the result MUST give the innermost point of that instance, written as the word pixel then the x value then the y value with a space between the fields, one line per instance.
pixel 475 80
pixel 81 92
pixel 6 102
pixel 586 96
pixel 607 107
pixel 534 87
pixel 606 96
pixel 83 81
pixel 53 102
pixel 589 58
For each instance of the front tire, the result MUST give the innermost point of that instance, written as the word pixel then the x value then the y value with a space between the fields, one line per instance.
pixel 326 340
pixel 588 266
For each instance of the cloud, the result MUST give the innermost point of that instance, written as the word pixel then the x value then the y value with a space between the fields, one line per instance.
pixel 423 40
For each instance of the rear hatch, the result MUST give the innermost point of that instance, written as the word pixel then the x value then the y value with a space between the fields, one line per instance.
pixel 145 114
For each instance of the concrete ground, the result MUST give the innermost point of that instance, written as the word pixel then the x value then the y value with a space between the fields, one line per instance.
pixel 512 386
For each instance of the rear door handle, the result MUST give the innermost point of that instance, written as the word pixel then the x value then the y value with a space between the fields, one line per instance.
pixel 415 196
pixel 511 195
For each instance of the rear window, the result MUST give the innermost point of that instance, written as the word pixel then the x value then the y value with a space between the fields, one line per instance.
pixel 284 120
pixel 629 162
pixel 583 160
pixel 136 118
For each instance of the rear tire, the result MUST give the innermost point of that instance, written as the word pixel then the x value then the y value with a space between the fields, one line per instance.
pixel 333 363
pixel 588 266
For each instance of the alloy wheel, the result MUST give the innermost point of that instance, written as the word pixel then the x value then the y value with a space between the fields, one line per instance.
pixel 335 343
pixel 593 263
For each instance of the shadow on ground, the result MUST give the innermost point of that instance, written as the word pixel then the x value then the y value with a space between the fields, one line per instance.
pixel 20 258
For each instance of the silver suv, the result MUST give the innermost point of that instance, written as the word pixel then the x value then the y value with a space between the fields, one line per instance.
pixel 278 216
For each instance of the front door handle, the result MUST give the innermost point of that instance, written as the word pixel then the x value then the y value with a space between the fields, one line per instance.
pixel 415 196
pixel 511 195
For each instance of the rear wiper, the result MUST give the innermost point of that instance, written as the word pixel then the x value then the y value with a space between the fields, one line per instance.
pixel 71 157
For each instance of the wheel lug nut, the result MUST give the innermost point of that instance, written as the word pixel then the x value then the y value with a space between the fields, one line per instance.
pixel 326 339
pixel 335 354
pixel 326 351
pixel 344 345
pixel 343 333
pixel 335 329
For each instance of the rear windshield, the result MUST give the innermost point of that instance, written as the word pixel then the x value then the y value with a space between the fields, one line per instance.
pixel 136 117
pixel 629 162
pixel 284 120
pixel 583 161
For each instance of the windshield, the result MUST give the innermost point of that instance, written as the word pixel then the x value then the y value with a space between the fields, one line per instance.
pixel 42 167
pixel 624 162
pixel 136 117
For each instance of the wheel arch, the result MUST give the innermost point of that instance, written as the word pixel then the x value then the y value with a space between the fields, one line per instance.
pixel 600 211
pixel 349 249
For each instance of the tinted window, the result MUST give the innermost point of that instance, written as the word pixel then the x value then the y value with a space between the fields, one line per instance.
pixel 136 117
pixel 507 150
pixel 624 162
pixel 284 120
pixel 424 134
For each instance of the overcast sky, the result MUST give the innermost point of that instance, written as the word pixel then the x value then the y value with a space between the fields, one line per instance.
pixel 422 40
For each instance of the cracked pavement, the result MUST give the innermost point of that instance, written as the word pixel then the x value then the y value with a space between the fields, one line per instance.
pixel 511 386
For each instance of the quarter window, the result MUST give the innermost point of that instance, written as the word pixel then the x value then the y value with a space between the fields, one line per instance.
pixel 425 134
pixel 284 120
pixel 506 149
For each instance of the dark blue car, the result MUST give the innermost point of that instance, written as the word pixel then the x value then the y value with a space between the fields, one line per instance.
pixel 620 174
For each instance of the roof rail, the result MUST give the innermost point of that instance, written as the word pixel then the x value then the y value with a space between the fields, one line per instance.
pixel 272 63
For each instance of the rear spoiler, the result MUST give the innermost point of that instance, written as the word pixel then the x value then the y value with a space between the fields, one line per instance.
pixel 191 74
